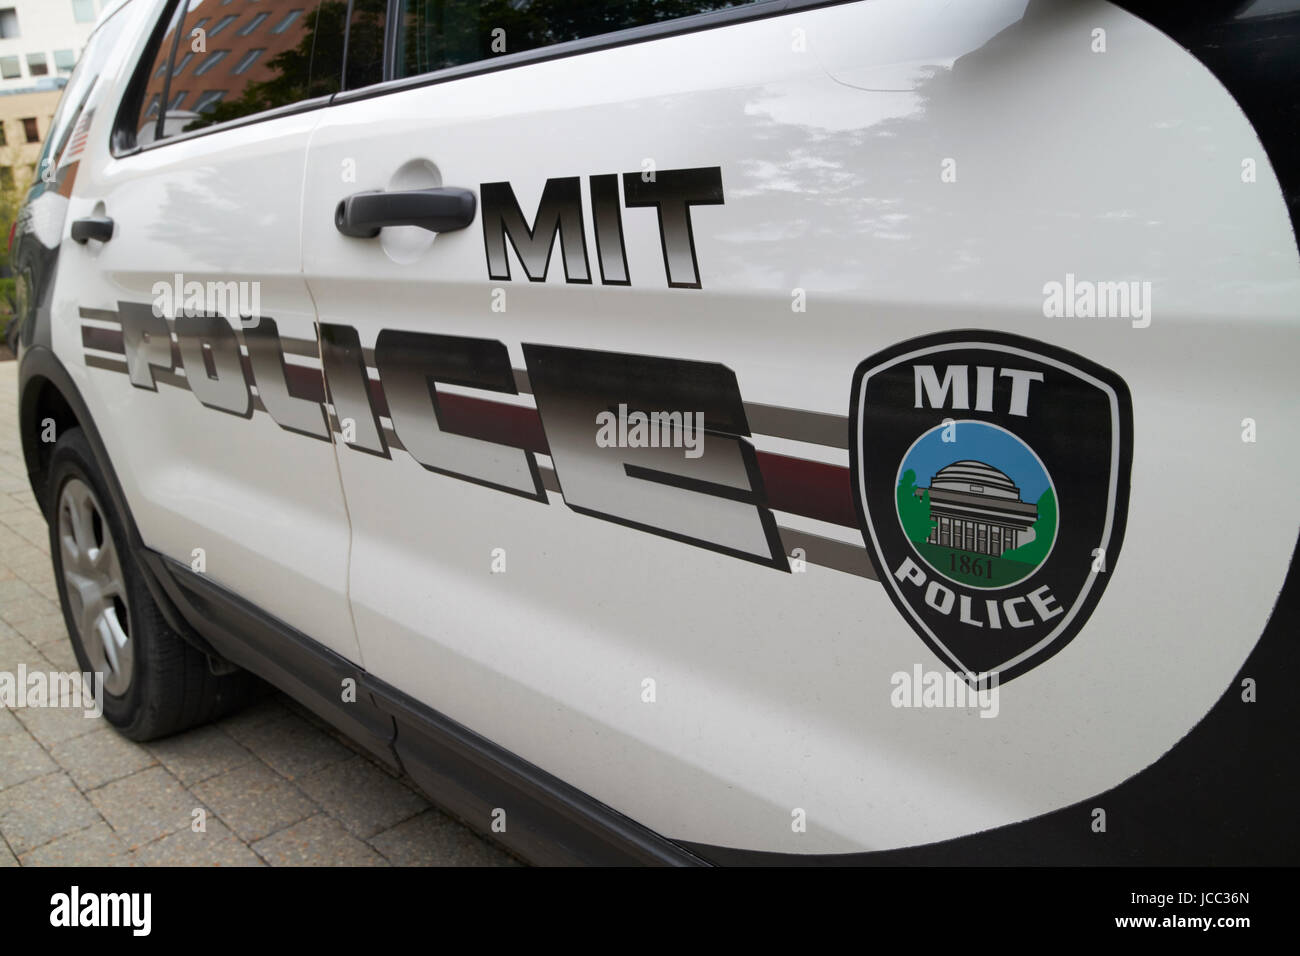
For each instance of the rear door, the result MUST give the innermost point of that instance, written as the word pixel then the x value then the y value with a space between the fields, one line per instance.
pixel 646 470
pixel 194 320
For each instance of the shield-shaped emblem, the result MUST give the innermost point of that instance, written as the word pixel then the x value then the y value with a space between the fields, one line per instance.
pixel 991 475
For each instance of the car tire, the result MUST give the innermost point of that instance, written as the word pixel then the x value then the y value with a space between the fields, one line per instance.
pixel 154 682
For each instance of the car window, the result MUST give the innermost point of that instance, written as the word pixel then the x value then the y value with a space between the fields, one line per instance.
pixel 437 34
pixel 366 43
pixel 222 62
pixel 70 114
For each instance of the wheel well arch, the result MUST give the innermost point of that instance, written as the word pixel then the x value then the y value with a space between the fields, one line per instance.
pixel 47 393
pixel 44 413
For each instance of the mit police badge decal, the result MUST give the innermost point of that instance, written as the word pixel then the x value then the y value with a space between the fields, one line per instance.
pixel 991 478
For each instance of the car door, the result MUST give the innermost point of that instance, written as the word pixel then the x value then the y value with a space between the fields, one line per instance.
pixel 610 428
pixel 197 327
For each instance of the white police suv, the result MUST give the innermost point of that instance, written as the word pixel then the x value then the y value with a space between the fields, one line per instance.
pixel 694 430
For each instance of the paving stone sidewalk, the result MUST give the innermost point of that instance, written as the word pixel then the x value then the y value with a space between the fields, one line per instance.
pixel 276 786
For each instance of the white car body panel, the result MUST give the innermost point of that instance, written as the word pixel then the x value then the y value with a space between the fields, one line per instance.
pixel 774 690
pixel 830 126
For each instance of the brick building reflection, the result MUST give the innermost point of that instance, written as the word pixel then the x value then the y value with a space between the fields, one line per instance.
pixel 243 39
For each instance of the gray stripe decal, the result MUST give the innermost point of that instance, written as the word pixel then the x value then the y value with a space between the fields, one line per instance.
pixel 817 428
pixel 793 424
pixel 100 315
pixel 824 552
pixel 829 553
pixel 108 364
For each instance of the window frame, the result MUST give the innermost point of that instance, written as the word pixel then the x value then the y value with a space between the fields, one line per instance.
pixel 123 135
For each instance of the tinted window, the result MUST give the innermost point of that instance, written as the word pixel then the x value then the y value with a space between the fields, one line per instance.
pixel 222 65
pixel 366 43
pixel 436 34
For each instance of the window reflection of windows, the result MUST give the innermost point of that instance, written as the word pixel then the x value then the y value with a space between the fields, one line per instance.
pixel 209 99
pixel 286 22
pixel 223 23
pixel 299 56
pixel 253 24
pixel 213 58
pixel 247 60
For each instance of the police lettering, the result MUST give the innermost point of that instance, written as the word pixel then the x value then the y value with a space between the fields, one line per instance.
pixel 977 611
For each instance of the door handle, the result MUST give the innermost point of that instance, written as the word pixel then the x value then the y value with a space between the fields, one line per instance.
pixel 445 209
pixel 92 227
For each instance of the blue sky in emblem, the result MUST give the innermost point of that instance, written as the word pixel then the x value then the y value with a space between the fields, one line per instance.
pixel 978 442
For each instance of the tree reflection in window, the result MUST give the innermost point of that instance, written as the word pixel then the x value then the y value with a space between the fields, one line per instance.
pixel 437 34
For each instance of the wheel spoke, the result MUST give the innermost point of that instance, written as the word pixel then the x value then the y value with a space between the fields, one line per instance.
pixel 104 633
pixel 86 596
pixel 94 585
pixel 107 563
pixel 118 643
pixel 72 555
pixel 79 511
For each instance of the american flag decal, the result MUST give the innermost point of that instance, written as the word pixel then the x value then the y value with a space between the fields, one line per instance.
pixel 77 144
